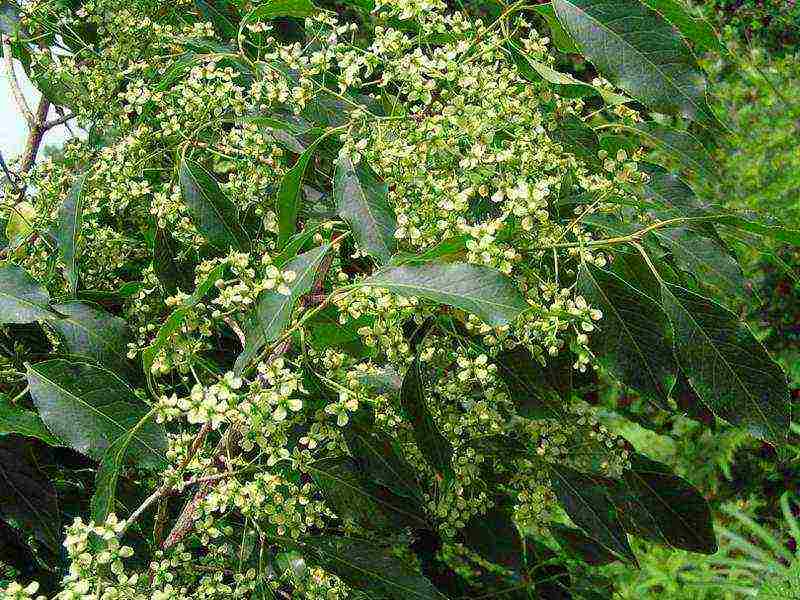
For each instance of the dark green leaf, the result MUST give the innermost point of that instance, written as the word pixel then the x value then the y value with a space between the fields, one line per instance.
pixel 563 83
pixel 561 39
pixel 177 317
pixel 681 145
pixel 654 503
pixel 362 201
pixel 631 338
pixel 726 365
pixel 436 449
pixel 70 223
pixel 213 213
pixel 576 543
pixel 695 29
pixel 578 138
pixel 288 200
pixel 89 408
pixel 26 496
pixel 449 250
pixel 534 389
pixel 379 459
pixel 215 14
pixel 274 311
pixel 370 505
pixel 368 567
pixel 482 291
pixel 172 275
pixel 587 500
pixel 22 300
pixel 93 333
pixel 14 419
pixel 669 191
pixel 755 223
pixel 105 483
pixel 325 330
pixel 705 258
pixel 640 52
pixel 495 537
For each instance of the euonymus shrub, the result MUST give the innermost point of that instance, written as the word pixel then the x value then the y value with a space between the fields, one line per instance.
pixel 316 309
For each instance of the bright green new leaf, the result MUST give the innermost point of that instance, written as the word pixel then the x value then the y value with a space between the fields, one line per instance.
pixel 273 9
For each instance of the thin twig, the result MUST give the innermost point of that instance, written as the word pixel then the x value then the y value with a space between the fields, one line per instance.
pixel 35 136
pixel 59 121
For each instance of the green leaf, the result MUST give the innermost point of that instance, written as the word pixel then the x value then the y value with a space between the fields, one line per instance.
pixel 655 504
pixel 95 334
pixel 638 51
pixel 170 274
pixel 754 223
pixel 578 138
pixel 436 448
pixel 326 331
pixel 482 291
pixel 177 317
pixel 20 223
pixel 89 408
pixel 70 223
pixel 579 545
pixel 26 495
pixel 587 501
pixel 726 365
pixel 212 13
pixel 370 505
pixel 566 85
pixel 495 537
pixel 288 199
pixel 212 212
pixel 535 390
pixel 694 29
pixel 448 250
pixel 273 312
pixel 369 567
pixel 670 191
pixel 705 258
pixel 273 9
pixel 379 459
pixel 630 340
pixel 561 39
pixel 14 419
pixel 22 300
pixel 362 201
pixel 689 151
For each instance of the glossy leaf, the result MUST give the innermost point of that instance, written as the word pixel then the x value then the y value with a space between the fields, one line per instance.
pixel 70 223
pixel 177 317
pixel 212 212
pixel 577 138
pixel 436 449
pixel 655 504
pixel 106 479
pixel 726 365
pixel 288 200
pixel 695 29
pixel 669 191
pixel 26 495
pixel 640 52
pixel 17 420
pixel 630 340
pixel 370 505
pixel 273 312
pixel 368 567
pixel 565 84
pixel 448 250
pixel 95 334
pixel 587 501
pixel 90 408
pixel 482 291
pixel 531 390
pixel 561 39
pixel 22 300
pixel 362 201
